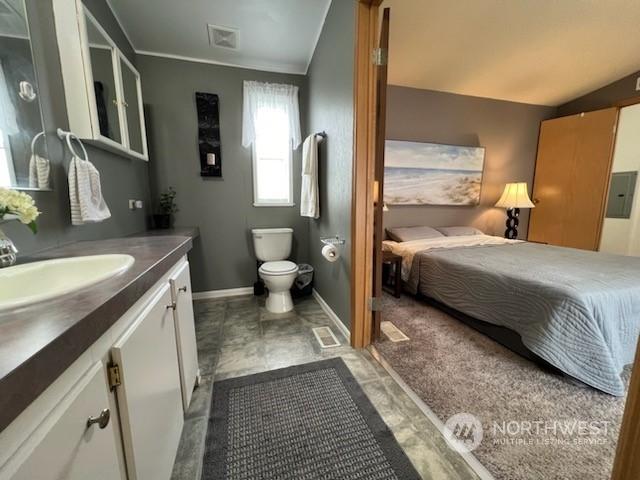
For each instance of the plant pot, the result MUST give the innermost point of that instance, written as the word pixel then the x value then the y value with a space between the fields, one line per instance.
pixel 163 220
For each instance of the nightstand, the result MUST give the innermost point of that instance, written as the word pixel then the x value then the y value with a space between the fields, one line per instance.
pixel 392 273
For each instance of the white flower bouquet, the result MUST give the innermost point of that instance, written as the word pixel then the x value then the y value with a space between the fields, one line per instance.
pixel 18 206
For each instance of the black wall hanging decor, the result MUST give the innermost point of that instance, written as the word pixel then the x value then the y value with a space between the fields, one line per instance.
pixel 209 134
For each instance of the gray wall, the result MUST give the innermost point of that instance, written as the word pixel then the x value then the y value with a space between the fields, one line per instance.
pixel 331 109
pixel 603 97
pixel 121 178
pixel 221 207
pixel 508 131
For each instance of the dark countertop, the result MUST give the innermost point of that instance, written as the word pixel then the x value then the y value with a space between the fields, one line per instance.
pixel 193 232
pixel 39 342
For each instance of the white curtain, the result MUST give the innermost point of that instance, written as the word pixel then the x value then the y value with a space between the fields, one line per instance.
pixel 269 96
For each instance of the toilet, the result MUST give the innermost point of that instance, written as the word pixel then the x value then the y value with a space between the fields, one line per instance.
pixel 273 247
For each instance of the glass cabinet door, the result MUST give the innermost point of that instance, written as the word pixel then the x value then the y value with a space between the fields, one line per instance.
pixel 101 52
pixel 132 105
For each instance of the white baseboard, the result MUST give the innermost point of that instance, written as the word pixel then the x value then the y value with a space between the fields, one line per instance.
pixel 230 292
pixel 332 315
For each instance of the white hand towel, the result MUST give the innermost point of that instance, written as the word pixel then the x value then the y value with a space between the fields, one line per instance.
pixel 39 172
pixel 85 193
pixel 309 198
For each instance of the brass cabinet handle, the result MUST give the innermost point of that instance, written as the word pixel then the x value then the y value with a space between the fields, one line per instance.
pixel 102 420
pixel 183 289
pixel 173 306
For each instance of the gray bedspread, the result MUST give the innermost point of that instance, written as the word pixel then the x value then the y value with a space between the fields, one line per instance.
pixel 578 310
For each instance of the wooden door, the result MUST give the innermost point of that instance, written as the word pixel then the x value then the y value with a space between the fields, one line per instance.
pixel 591 175
pixel 572 178
pixel 554 167
pixel 149 397
pixel 71 449
pixel 380 129
pixel 185 332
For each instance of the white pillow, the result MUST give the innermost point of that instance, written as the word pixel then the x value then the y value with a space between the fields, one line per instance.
pixel 459 231
pixel 406 234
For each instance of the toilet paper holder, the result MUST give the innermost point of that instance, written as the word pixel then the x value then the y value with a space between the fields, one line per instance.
pixel 332 240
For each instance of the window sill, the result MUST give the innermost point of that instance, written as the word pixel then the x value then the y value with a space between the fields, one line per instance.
pixel 274 204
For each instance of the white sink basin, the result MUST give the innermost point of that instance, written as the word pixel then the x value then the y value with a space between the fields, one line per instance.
pixel 22 285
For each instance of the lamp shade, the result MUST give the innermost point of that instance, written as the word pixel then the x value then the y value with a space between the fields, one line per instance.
pixel 515 195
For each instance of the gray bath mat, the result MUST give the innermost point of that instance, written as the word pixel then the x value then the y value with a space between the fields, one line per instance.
pixel 307 422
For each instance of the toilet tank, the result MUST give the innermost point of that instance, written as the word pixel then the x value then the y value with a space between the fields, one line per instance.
pixel 271 244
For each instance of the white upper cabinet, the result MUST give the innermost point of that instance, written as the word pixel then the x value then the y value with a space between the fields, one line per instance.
pixel 102 87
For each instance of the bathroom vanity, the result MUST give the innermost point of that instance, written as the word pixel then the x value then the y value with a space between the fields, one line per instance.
pixel 95 385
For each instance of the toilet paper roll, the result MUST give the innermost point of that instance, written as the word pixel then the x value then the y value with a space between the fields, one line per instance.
pixel 331 253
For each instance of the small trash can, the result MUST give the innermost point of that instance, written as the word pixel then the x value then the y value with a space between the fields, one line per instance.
pixel 303 285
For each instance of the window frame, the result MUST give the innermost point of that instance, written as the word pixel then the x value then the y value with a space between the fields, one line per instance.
pixel 271 203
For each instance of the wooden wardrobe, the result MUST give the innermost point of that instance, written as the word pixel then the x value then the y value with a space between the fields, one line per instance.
pixel 572 179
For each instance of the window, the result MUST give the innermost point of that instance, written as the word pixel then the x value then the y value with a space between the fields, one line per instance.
pixel 272 169
pixel 271 127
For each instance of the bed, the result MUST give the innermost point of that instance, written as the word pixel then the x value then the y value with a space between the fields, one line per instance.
pixel 577 310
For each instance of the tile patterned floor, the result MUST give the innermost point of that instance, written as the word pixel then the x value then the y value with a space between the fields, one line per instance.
pixel 237 336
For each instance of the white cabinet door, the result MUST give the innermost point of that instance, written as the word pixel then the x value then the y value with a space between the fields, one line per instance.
pixel 149 398
pixel 185 332
pixel 69 448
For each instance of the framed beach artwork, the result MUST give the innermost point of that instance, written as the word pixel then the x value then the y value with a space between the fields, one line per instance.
pixel 418 173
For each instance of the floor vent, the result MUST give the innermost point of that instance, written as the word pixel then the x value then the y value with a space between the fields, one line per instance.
pixel 392 332
pixel 325 337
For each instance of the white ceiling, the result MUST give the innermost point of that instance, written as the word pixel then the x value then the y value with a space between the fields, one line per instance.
pixel 275 35
pixel 543 52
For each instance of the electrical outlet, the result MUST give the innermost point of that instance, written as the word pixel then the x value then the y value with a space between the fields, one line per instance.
pixel 139 204
pixel 637 83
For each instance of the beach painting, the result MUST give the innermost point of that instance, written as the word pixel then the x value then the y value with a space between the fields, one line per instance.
pixel 432 174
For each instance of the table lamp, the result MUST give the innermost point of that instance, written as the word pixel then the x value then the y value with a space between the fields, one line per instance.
pixel 514 197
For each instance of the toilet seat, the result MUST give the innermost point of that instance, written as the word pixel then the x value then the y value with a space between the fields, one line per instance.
pixel 283 267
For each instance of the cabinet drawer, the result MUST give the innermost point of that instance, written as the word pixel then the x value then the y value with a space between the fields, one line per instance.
pixel 66 447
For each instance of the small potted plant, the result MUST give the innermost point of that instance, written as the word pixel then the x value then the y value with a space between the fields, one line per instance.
pixel 19 206
pixel 167 207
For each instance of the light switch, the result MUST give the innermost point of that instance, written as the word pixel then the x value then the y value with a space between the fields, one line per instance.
pixel 132 204
pixel 637 83
pixel 139 204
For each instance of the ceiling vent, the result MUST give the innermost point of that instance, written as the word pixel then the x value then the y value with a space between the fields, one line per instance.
pixel 224 37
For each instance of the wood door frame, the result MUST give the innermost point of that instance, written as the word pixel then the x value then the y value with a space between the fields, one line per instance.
pixel 362 210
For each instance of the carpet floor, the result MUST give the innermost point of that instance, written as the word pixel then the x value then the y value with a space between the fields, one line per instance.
pixel 307 422
pixel 536 424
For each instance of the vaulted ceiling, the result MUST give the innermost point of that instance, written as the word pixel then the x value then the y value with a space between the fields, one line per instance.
pixel 543 52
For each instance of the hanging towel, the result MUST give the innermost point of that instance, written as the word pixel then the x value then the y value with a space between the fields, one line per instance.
pixel 85 193
pixel 39 167
pixel 309 199
pixel 39 170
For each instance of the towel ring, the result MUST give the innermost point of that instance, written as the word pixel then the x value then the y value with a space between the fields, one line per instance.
pixel 35 139
pixel 68 136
